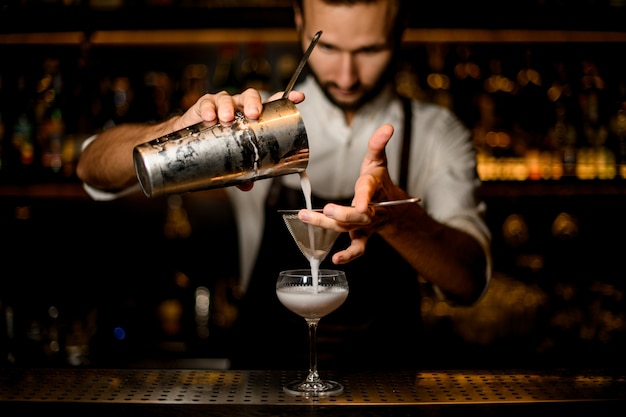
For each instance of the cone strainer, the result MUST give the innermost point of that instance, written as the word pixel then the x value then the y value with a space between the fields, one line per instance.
pixel 314 242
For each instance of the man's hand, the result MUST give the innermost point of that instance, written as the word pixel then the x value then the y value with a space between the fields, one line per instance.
pixel 221 107
pixel 360 220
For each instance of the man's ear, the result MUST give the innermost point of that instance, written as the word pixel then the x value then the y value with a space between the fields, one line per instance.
pixel 297 17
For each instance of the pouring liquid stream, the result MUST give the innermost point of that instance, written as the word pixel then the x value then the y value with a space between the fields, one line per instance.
pixel 305 184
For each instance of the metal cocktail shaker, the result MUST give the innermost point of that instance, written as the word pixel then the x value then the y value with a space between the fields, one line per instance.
pixel 201 157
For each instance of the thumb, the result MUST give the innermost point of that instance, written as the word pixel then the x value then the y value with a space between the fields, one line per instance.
pixel 376 155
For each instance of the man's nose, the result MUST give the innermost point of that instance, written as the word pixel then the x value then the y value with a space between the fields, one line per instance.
pixel 347 74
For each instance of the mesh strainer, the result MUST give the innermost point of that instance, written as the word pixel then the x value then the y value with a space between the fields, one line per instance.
pixel 314 242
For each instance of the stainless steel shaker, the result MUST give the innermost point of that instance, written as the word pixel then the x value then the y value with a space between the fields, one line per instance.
pixel 202 157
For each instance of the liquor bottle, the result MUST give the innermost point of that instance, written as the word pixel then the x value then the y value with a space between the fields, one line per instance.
pixel 597 159
pixel 531 102
pixel 618 129
pixel 563 132
pixel 22 150
pixel 492 131
pixel 592 104
pixel 194 84
pixel 49 117
pixel 226 76
pixel 285 65
pixel 256 71
pixel 157 88
pixel 23 139
pixel 438 81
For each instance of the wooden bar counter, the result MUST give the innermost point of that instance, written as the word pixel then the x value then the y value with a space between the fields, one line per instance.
pixel 187 392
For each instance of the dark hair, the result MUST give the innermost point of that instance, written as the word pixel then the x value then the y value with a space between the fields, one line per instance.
pixel 402 13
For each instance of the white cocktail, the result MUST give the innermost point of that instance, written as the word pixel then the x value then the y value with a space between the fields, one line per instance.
pixel 312 299
pixel 307 303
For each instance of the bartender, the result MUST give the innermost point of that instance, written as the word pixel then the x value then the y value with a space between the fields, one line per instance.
pixel 367 144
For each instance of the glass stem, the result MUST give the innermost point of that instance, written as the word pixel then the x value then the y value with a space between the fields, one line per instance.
pixel 313 375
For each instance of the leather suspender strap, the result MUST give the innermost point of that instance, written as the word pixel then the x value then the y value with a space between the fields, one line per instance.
pixel 406 143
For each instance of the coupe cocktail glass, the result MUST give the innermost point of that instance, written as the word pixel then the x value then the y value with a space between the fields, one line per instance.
pixel 312 297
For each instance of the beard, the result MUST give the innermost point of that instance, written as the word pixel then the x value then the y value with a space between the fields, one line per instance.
pixel 367 93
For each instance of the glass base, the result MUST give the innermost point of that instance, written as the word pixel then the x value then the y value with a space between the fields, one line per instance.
pixel 313 389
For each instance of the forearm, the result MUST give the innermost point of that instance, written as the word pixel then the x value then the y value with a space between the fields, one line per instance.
pixel 446 257
pixel 107 162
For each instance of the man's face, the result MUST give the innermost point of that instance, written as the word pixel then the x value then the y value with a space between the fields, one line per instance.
pixel 354 51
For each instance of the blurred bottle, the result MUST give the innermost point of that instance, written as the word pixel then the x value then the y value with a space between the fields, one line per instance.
pixel 77 341
pixel 21 155
pixel 226 76
pixel 563 131
pixel 123 96
pixel 492 130
pixel 195 84
pixel 531 111
pixel 115 106
pixel 158 87
pixel 592 104
pixel 438 81
pixel 598 160
pixel 49 116
pixel 256 71
pixel 618 128
pixel 23 139
pixel 285 65
pixel 408 83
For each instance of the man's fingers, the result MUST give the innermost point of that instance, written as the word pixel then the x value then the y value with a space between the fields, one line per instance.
pixel 334 217
pixel 294 96
pixel 355 250
pixel 251 103
pixel 223 104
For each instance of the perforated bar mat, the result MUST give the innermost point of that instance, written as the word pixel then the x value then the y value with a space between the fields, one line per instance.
pixel 208 392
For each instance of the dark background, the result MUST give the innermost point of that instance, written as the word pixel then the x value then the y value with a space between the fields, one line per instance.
pixel 73 270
